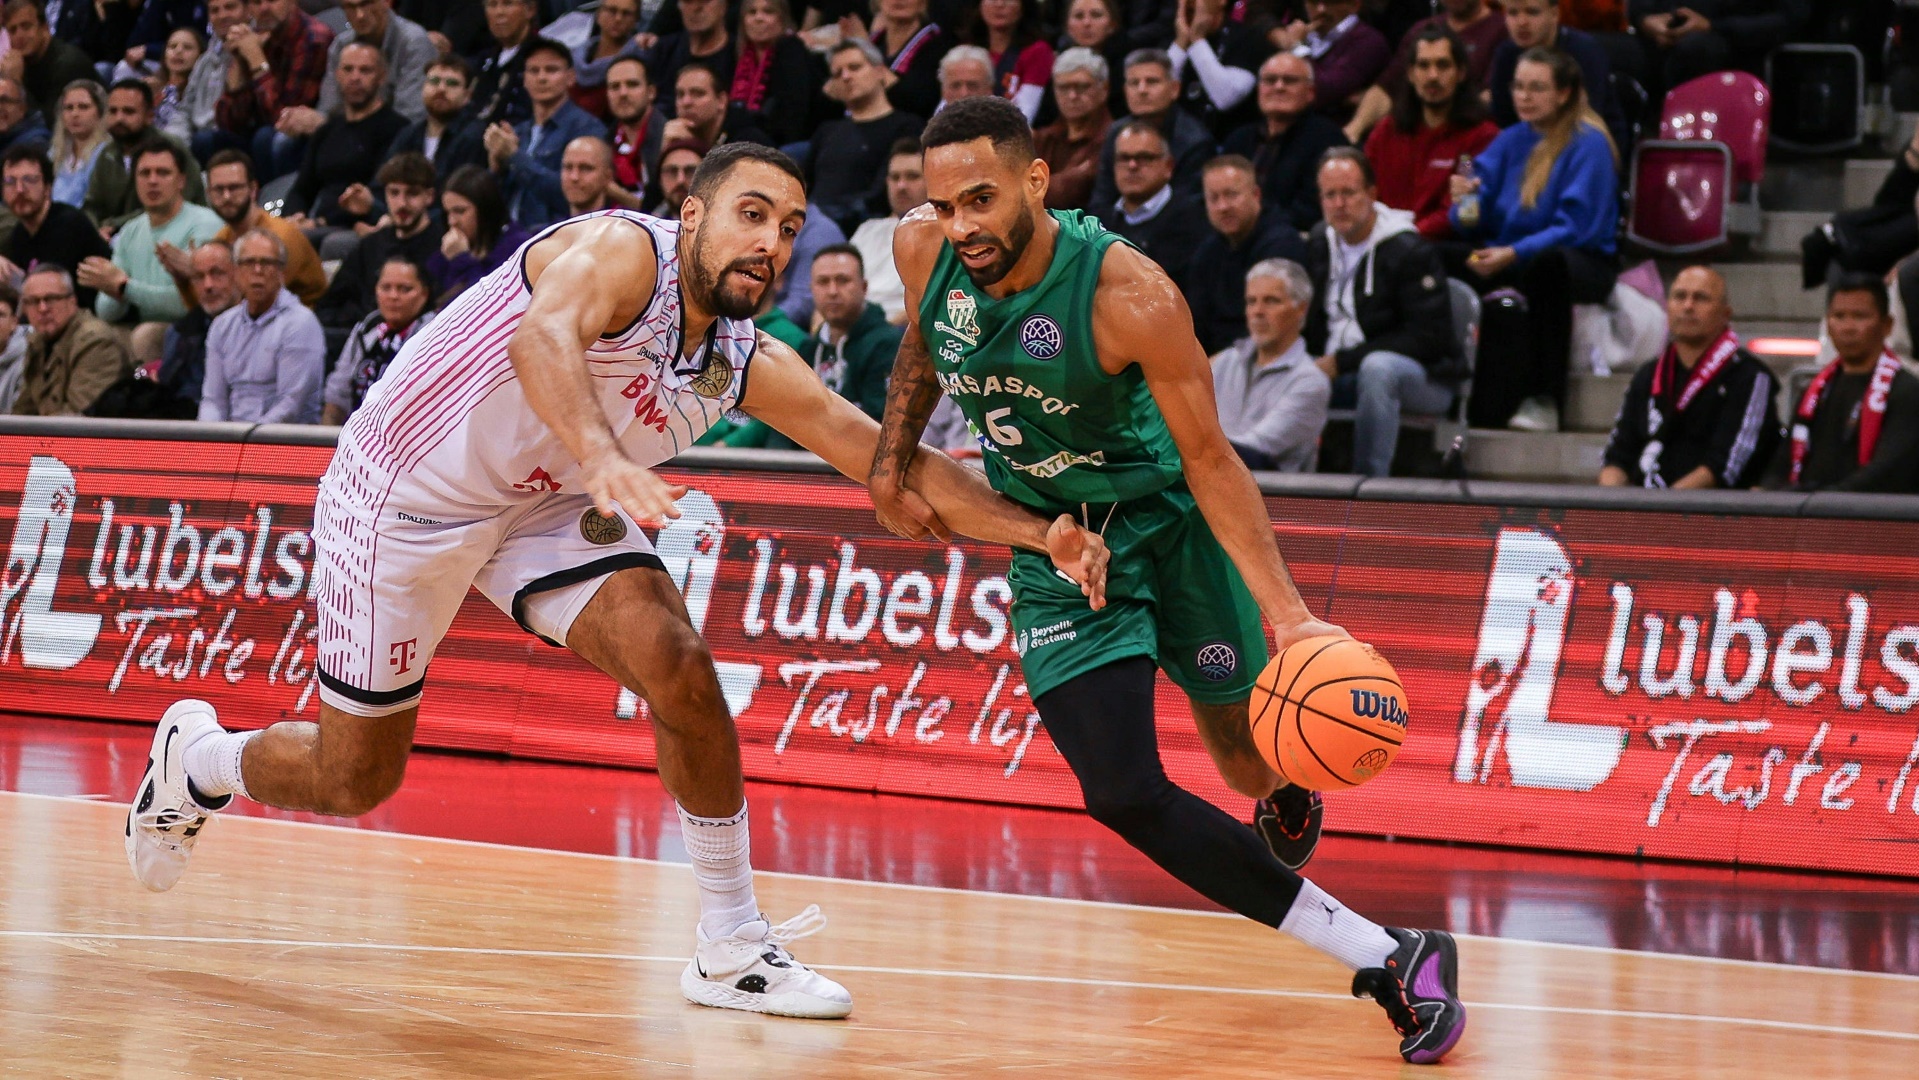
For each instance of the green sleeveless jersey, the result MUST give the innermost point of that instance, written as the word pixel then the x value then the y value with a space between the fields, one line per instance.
pixel 1055 427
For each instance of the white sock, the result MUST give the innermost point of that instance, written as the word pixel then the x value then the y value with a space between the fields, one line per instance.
pixel 723 868
pixel 213 763
pixel 1331 927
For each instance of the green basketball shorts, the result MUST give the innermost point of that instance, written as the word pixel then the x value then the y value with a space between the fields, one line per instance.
pixel 1171 594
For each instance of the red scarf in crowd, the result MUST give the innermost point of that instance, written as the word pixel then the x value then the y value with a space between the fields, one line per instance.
pixel 1872 410
pixel 749 76
pixel 1665 375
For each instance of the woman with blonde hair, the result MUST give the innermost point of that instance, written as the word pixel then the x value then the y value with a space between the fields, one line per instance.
pixel 78 134
pixel 1548 217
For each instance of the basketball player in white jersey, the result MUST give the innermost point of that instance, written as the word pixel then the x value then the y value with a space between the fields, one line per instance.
pixel 508 448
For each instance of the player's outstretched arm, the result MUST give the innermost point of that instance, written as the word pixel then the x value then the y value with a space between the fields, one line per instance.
pixel 786 394
pixel 573 303
pixel 1140 317
pixel 914 388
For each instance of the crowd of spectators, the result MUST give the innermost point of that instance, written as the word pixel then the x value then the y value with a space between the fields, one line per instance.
pixel 243 209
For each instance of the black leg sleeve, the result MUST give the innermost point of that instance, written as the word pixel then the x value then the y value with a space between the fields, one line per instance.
pixel 1102 723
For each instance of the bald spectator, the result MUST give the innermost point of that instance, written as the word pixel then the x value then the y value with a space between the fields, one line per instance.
pixel 1701 415
pixel 1272 398
pixel 267 354
pixel 965 71
pixel 1286 142
pixel 1244 232
pixel 1346 53
pixel 183 360
pixel 1152 96
pixel 42 63
pixel 586 171
pixel 72 357
pixel 1070 145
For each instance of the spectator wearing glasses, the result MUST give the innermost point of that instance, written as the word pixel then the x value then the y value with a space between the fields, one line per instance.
pixel 444 134
pixel 72 357
pixel 46 231
pixel 1346 53
pixel 183 357
pixel 1152 96
pixel 19 122
pixel 266 355
pixel 234 193
pixel 1286 142
pixel 1070 146
pixel 1164 224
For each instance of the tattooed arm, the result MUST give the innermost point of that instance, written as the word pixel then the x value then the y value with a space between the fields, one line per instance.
pixel 912 392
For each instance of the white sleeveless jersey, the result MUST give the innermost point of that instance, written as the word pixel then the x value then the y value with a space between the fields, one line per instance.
pixel 450 421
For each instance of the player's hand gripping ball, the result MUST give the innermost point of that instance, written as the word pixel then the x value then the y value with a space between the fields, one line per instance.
pixel 1328 713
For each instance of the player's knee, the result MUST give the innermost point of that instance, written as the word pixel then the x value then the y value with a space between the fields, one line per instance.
pixel 690 681
pixel 360 788
pixel 1125 807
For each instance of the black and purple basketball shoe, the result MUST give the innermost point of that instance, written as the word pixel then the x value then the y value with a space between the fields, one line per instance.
pixel 1419 989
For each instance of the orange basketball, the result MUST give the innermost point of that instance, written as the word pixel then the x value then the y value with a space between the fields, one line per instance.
pixel 1328 713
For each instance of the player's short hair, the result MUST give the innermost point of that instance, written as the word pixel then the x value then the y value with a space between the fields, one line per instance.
pixel 1299 284
pixel 994 119
pixel 1080 58
pixel 716 165
pixel 412 168
pixel 842 249
pixel 1861 281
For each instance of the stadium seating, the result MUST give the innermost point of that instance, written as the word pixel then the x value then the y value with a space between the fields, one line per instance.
pixel 1699 181
pixel 1824 86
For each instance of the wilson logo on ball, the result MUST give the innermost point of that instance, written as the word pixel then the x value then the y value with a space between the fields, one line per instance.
pixel 1378 706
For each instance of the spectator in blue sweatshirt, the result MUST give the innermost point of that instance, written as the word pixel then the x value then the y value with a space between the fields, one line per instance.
pixel 1548 214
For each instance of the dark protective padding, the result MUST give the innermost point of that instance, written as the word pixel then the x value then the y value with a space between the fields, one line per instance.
pixel 1824 505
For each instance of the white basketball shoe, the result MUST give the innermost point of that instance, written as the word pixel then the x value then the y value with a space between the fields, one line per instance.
pixel 751 970
pixel 165 819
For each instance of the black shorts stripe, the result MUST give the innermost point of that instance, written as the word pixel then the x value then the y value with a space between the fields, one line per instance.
pixel 625 560
pixel 378 699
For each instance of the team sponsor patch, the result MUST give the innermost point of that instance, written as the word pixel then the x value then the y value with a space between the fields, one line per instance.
pixel 601 528
pixel 961 310
pixel 1041 337
pixel 1217 661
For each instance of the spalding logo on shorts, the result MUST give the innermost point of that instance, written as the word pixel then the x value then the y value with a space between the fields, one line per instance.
pixel 1217 661
pixel 1041 337
pixel 1381 706
pixel 599 528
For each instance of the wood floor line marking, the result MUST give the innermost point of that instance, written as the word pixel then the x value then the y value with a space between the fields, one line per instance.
pixel 1775 965
pixel 988 976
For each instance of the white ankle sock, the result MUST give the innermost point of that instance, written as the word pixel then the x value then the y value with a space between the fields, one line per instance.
pixel 1329 926
pixel 213 763
pixel 723 868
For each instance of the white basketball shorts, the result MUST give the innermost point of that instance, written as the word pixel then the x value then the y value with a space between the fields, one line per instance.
pixel 394 568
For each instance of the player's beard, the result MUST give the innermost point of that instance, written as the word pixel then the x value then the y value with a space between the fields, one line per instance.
pixel 714 289
pixel 1010 249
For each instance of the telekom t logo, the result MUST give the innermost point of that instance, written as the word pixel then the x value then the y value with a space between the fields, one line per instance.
pixel 400 654
pixel 1509 701
pixel 50 639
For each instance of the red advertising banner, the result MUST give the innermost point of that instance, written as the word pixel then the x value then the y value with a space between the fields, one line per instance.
pixel 1709 687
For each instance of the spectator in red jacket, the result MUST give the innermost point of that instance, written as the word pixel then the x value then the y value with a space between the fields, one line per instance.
pixel 1437 118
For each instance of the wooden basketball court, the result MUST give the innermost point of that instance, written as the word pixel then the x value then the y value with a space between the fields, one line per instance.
pixel 303 951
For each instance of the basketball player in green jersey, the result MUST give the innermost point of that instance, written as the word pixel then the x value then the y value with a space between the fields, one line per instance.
pixel 1073 357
